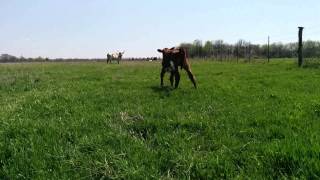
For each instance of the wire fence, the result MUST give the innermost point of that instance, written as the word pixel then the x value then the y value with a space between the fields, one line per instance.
pixel 273 46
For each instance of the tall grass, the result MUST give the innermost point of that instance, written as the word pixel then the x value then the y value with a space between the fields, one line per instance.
pixel 96 120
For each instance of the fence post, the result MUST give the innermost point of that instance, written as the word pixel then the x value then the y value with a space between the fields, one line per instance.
pixel 249 49
pixel 237 53
pixel 268 48
pixel 300 57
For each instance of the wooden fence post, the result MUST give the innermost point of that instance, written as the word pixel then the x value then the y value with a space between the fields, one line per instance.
pixel 268 48
pixel 249 49
pixel 237 53
pixel 300 57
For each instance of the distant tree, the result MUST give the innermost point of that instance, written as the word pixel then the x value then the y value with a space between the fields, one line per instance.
pixel 197 48
pixel 218 45
pixel 189 48
pixel 244 49
pixel 311 49
pixel 208 49
pixel 8 58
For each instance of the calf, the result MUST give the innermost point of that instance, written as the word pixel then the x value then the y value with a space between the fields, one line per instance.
pixel 172 59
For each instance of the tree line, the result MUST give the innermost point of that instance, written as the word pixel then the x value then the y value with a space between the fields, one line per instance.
pixel 221 50
pixel 10 58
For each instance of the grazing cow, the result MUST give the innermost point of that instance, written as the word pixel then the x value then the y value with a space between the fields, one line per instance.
pixel 109 58
pixel 115 56
pixel 172 59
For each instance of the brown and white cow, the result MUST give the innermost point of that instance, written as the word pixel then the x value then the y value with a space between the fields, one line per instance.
pixel 172 59
pixel 115 56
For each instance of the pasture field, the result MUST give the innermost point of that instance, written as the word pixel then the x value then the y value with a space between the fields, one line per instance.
pixel 109 121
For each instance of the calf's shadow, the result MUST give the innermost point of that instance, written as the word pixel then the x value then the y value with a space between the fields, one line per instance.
pixel 163 91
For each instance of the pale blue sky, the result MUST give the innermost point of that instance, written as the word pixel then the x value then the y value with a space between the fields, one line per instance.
pixel 91 28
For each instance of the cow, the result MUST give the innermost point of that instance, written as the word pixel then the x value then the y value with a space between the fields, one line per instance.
pixel 115 56
pixel 172 59
pixel 109 58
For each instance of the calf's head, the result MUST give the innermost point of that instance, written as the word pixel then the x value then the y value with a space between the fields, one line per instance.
pixel 168 59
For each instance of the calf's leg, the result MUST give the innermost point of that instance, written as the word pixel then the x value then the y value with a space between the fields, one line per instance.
pixel 171 78
pixel 161 76
pixel 191 76
pixel 177 79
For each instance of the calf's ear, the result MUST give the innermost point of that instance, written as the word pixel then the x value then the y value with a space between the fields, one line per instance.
pixel 159 50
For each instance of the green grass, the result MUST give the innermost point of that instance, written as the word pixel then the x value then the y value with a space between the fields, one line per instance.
pixel 96 120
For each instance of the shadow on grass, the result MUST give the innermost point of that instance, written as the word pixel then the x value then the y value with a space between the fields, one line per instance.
pixel 163 91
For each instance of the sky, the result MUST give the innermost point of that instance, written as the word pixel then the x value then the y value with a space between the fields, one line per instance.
pixel 92 28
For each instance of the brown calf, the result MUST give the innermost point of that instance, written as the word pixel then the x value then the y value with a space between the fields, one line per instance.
pixel 172 59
